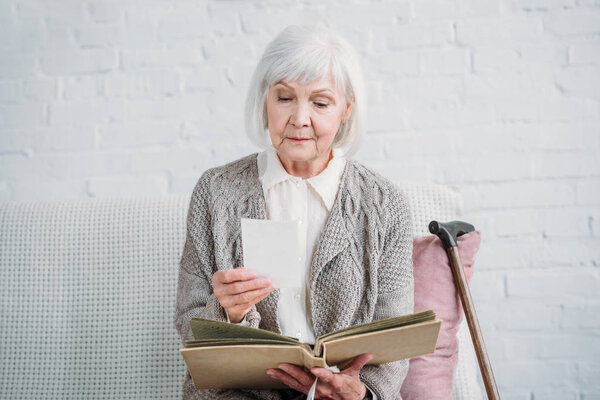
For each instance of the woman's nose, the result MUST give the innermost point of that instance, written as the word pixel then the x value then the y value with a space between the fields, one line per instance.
pixel 300 115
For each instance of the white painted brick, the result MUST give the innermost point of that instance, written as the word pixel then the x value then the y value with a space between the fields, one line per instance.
pixel 123 85
pixel 450 115
pixel 128 186
pixel 407 35
pixel 65 165
pixel 588 191
pixel 186 160
pixel 204 77
pixel 446 61
pixel 64 62
pixel 394 63
pixel 566 22
pixel 581 80
pixel 182 183
pixel 17 65
pixel 532 373
pixel 518 315
pixel 594 224
pixel 19 115
pixel 40 89
pixel 81 87
pixel 421 91
pixel 372 148
pixel 138 134
pixel 491 59
pixel 527 194
pixel 10 91
pixel 484 167
pixel 563 136
pixel 226 16
pixel 543 53
pixel 538 5
pixel 565 223
pixel 160 57
pixel 510 393
pixel 499 31
pixel 102 11
pixel 381 120
pixel 580 316
pixel 78 112
pixel 563 108
pixel 161 82
pixel 511 252
pixel 528 346
pixel 5 192
pixel 556 394
pixel 224 51
pixel 435 9
pixel 104 35
pixel 67 10
pixel 478 8
pixel 22 35
pixel 585 52
pixel 486 284
pixel 558 165
pixel 50 138
pixel 44 188
pixel 553 285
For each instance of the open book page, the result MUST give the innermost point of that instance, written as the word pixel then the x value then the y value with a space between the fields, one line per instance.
pixel 206 329
pixel 382 324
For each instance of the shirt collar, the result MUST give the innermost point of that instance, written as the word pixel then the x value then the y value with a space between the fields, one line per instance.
pixel 271 173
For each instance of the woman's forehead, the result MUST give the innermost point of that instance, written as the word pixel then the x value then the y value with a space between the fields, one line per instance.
pixel 323 83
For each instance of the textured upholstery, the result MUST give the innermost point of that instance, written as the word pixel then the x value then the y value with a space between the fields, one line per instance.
pixel 87 290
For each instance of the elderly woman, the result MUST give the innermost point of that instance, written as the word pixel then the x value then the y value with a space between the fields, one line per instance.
pixel 305 106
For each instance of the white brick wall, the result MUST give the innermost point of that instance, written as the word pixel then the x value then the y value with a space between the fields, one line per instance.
pixel 500 98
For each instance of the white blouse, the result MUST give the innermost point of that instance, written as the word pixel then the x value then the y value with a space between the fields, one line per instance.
pixel 309 201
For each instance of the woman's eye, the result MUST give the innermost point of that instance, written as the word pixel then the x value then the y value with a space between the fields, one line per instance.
pixel 321 105
pixel 284 99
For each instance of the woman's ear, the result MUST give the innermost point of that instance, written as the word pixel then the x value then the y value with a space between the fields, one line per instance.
pixel 348 111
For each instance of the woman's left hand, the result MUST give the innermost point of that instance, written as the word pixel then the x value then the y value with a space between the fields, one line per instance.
pixel 345 385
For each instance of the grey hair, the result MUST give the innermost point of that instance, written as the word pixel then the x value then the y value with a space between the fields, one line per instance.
pixel 306 53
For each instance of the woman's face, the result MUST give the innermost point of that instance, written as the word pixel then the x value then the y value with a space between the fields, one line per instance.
pixel 303 119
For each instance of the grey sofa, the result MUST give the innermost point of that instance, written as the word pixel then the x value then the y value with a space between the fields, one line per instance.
pixel 87 291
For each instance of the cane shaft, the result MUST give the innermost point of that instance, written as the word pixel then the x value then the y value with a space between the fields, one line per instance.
pixel 469 308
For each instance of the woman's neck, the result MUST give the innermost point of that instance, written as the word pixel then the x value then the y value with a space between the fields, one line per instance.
pixel 306 169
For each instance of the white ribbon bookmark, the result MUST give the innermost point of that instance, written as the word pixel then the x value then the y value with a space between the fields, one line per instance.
pixel 313 388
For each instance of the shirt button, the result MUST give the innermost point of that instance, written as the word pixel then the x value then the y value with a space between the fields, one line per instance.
pixel 296 296
pixel 299 258
pixel 300 221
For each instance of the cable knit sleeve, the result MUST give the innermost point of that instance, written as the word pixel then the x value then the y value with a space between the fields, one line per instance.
pixel 395 292
pixel 194 289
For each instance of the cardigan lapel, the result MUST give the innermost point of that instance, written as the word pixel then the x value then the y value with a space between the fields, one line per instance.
pixel 335 236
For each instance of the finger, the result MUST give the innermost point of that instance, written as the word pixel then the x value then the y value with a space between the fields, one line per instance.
pixel 286 379
pixel 243 286
pixel 233 275
pixel 323 374
pixel 298 374
pixel 247 298
pixel 356 364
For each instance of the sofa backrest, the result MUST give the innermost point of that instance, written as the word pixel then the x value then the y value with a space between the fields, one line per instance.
pixel 87 290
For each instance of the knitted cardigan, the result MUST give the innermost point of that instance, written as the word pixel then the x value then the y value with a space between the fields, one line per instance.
pixel 361 269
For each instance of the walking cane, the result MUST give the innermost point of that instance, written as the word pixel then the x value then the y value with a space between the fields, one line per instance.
pixel 448 232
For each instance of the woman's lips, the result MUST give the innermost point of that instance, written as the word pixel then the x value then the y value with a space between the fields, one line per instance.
pixel 299 140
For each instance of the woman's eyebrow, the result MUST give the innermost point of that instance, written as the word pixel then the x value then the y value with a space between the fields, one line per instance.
pixel 323 90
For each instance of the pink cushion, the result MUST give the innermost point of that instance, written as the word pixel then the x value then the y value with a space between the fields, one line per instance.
pixel 431 376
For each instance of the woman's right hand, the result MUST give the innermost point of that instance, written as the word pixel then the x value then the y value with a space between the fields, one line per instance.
pixel 238 290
